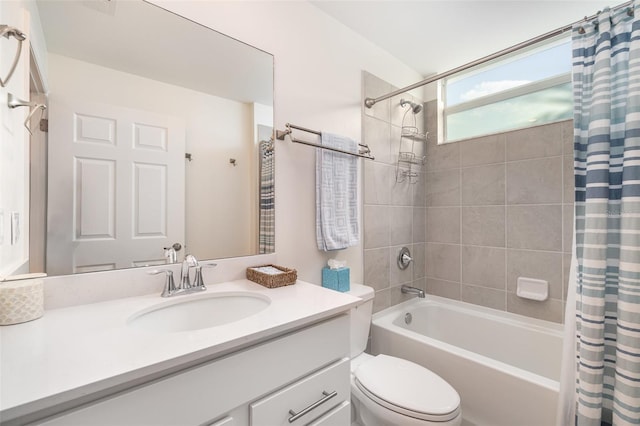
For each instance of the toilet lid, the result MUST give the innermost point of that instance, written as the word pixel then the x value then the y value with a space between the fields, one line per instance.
pixel 407 388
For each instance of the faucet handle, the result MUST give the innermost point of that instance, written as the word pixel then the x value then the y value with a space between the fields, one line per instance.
pixel 191 260
pixel 169 283
pixel 198 282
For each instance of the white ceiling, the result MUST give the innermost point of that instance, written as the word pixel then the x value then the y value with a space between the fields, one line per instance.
pixel 433 36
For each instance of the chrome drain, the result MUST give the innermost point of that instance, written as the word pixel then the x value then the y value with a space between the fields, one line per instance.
pixel 408 318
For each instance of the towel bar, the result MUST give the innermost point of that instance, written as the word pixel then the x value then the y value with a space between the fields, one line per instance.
pixel 364 152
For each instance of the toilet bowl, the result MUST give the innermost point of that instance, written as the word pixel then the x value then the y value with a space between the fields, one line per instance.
pixel 387 390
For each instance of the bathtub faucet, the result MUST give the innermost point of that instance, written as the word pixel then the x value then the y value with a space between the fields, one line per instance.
pixel 406 289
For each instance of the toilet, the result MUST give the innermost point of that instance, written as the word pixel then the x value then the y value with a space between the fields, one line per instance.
pixel 386 390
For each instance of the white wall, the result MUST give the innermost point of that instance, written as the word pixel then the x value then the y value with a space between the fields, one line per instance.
pixel 217 129
pixel 318 64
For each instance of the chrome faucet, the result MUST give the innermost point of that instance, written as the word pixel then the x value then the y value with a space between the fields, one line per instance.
pixel 406 289
pixel 189 262
pixel 185 286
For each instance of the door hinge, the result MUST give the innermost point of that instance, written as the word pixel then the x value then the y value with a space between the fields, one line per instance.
pixel 44 125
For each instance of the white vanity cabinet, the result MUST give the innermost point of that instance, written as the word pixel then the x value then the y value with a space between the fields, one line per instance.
pixel 255 386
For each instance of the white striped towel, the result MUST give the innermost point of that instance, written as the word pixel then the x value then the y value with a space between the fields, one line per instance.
pixel 336 194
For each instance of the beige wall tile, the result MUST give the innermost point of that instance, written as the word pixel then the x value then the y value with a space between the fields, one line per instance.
pixel 376 226
pixel 419 225
pixel 420 191
pixel 429 211
pixel 485 150
pixel 484 226
pixel 534 142
pixel 442 157
pixel 535 227
pixel 442 288
pixel 382 300
pixel 549 310
pixel 443 261
pixel 377 178
pixel 540 265
pixel 567 227
pixel 443 225
pixel 566 269
pixel 418 252
pixel 535 181
pixel 401 192
pixel 400 226
pixel 568 179
pixel 495 299
pixel 567 137
pixel 377 134
pixel 420 283
pixel 483 266
pixel 443 188
pixel 483 185
pixel 376 268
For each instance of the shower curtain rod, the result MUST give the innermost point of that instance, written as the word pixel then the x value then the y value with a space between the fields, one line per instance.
pixel 370 102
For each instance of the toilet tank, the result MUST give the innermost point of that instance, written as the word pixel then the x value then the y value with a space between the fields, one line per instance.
pixel 361 318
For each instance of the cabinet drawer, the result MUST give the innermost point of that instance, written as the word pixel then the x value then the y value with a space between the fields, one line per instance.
pixel 227 421
pixel 341 415
pixel 305 399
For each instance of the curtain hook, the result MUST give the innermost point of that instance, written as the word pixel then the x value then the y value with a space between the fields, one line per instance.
pixel 630 12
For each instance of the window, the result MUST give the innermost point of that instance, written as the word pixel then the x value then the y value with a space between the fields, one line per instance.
pixel 525 89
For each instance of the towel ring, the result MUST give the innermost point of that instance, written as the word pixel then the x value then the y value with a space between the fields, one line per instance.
pixel 7 31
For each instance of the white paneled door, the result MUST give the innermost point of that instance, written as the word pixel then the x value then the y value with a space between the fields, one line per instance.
pixel 116 186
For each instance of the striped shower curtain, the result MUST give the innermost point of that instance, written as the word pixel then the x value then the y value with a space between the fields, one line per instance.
pixel 606 85
pixel 267 199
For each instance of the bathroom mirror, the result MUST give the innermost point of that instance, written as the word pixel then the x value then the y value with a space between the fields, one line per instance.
pixel 158 134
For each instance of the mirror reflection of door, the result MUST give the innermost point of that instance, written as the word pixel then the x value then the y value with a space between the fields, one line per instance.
pixel 116 186
pixel 38 172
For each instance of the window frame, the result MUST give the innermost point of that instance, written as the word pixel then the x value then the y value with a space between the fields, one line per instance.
pixel 525 89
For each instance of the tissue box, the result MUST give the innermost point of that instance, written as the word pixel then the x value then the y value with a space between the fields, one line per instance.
pixel 336 279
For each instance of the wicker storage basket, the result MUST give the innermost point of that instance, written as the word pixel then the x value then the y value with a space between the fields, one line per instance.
pixel 287 277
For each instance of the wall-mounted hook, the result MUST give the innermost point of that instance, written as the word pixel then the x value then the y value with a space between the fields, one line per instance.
pixel 15 102
pixel 7 31
pixel 232 161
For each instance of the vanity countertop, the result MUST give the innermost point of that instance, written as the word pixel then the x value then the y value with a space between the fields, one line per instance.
pixel 80 350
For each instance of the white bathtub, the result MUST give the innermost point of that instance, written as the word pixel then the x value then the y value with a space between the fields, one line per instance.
pixel 505 367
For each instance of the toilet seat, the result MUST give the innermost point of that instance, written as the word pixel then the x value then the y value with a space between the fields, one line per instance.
pixel 407 388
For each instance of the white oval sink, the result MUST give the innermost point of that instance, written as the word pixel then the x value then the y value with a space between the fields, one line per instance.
pixel 203 311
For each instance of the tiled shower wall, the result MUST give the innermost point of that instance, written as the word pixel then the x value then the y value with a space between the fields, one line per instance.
pixel 394 213
pixel 498 208
pixel 484 212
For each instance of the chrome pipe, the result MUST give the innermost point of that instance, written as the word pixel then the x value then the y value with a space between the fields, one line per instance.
pixel 370 102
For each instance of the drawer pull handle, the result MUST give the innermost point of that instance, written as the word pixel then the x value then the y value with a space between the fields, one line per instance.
pixel 327 396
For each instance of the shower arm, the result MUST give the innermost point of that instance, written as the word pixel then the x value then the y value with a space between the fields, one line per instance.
pixel 15 102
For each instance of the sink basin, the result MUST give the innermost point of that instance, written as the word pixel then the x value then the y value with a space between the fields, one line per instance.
pixel 198 312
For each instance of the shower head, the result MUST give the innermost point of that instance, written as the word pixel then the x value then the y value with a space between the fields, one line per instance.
pixel 414 106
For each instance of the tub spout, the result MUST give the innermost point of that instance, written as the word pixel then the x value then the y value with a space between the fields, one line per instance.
pixel 406 289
